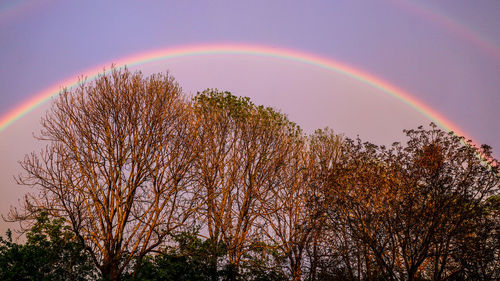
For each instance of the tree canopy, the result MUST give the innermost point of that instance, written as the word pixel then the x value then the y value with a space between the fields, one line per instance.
pixel 140 182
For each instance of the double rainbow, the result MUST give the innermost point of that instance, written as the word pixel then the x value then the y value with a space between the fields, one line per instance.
pixel 454 27
pixel 235 49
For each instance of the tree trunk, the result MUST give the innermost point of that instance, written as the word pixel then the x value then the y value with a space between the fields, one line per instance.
pixel 214 276
pixel 110 270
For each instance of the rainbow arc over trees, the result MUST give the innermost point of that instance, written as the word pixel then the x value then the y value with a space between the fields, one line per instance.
pixel 235 49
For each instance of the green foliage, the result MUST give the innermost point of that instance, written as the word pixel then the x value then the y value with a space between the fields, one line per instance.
pixel 263 263
pixel 237 107
pixel 50 253
pixel 241 109
pixel 190 259
pixel 195 259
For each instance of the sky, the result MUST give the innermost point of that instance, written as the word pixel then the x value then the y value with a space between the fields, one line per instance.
pixel 444 54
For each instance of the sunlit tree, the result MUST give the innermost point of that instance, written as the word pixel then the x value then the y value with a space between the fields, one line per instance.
pixel 116 165
pixel 244 149
pixel 409 208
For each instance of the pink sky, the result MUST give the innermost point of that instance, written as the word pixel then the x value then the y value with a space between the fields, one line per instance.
pixel 44 44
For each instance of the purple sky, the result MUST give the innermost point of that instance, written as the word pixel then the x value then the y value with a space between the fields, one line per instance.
pixel 433 49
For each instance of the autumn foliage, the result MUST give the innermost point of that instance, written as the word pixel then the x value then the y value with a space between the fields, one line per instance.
pixel 152 185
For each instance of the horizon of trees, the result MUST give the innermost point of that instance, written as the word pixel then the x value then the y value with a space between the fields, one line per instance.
pixel 139 182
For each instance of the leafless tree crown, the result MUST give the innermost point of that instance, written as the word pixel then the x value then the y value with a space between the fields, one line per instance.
pixel 116 165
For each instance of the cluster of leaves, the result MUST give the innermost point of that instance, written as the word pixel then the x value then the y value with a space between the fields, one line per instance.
pixel 191 258
pixel 50 253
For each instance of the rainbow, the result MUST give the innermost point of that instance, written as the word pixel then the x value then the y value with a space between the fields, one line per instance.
pixel 451 25
pixel 12 9
pixel 236 49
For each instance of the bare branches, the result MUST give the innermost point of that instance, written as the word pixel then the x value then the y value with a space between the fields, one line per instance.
pixel 129 161
pixel 117 164
pixel 245 149
pixel 410 207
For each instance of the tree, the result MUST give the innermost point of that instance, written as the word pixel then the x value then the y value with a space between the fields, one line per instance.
pixel 411 209
pixel 354 186
pixel 325 148
pixel 291 220
pixel 244 149
pixel 295 221
pixel 477 254
pixel 440 200
pixel 50 253
pixel 188 259
pixel 116 166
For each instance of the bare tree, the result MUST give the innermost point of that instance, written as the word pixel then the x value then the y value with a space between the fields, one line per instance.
pixel 296 220
pixel 324 152
pixel 116 166
pixel 245 148
pixel 287 224
pixel 352 187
